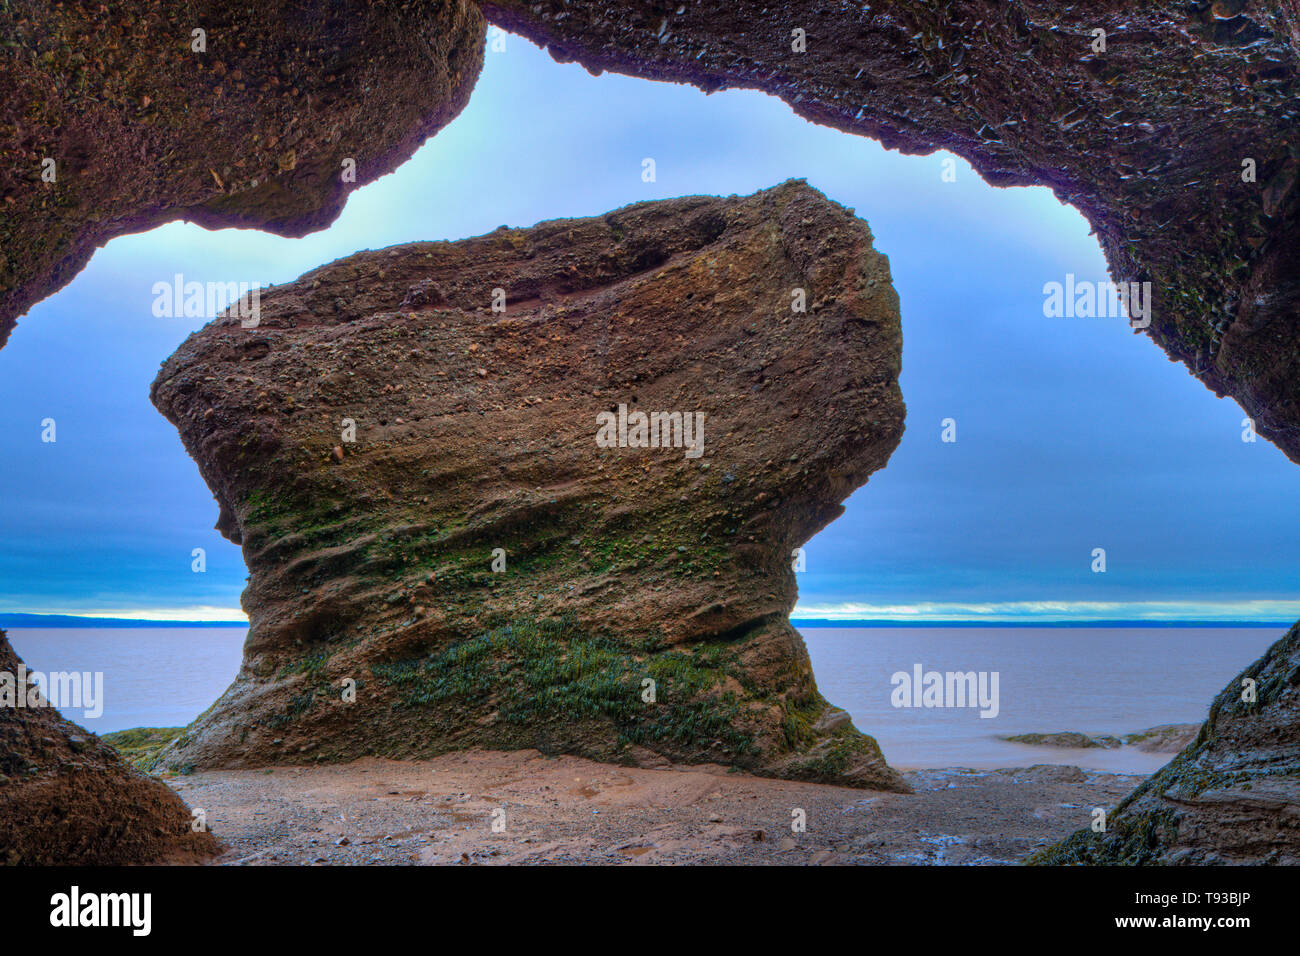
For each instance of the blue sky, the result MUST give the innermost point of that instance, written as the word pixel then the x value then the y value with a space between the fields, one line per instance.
pixel 1072 434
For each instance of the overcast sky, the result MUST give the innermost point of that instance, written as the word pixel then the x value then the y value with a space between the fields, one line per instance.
pixel 1072 433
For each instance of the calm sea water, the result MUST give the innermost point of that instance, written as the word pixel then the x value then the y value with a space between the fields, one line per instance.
pixel 153 676
pixel 1094 680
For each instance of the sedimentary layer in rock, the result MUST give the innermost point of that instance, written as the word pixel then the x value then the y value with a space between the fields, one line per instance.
pixel 1233 796
pixel 115 118
pixel 67 798
pixel 637 609
pixel 1151 137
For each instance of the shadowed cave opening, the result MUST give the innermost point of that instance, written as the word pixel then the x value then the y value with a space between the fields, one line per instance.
pixel 1051 415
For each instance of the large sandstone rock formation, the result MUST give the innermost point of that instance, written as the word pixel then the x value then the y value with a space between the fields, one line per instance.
pixel 68 798
pixel 1147 138
pixel 253 130
pixel 476 429
pixel 1233 796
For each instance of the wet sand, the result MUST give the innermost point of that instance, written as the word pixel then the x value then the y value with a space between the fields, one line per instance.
pixel 488 807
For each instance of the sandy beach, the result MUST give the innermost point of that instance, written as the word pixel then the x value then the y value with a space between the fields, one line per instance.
pixel 549 810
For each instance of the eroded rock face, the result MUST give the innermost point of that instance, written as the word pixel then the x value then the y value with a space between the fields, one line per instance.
pixel 67 798
pixel 1233 796
pixel 373 560
pixel 254 130
pixel 1147 138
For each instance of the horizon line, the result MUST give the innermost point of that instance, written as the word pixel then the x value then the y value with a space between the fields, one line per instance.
pixel 1265 611
pixel 100 619
pixel 1046 622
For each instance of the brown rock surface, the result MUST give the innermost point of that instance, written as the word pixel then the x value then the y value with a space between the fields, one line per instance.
pixel 1233 796
pixel 68 798
pixel 1146 139
pixel 1167 738
pixel 252 132
pixel 476 430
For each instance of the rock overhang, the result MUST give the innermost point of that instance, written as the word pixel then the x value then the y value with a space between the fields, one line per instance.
pixel 475 380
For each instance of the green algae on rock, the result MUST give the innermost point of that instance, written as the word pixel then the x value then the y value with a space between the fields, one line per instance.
pixel 139 745
pixel 475 569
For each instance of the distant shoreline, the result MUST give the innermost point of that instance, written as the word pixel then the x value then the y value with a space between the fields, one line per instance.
pixel 823 622
pixel 71 620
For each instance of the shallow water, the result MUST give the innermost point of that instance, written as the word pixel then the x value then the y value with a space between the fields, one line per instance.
pixel 153 677
pixel 1094 680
